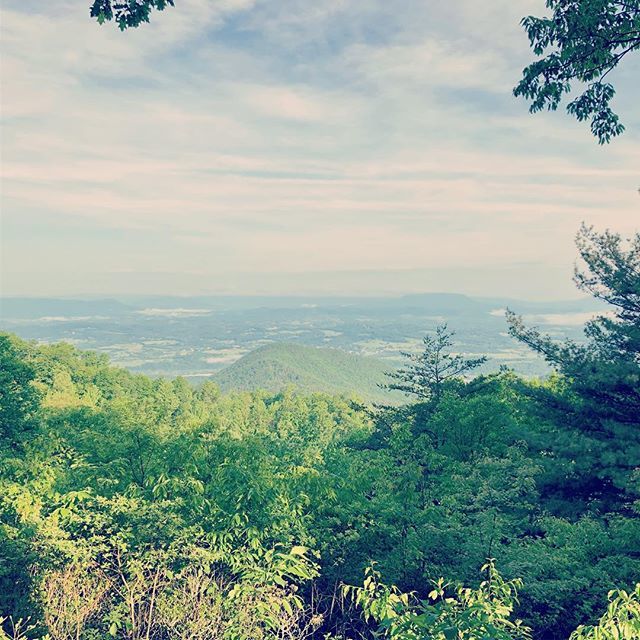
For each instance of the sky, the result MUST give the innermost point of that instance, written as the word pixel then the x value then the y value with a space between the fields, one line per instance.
pixel 295 147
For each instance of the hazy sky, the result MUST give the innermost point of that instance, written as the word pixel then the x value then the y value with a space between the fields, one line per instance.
pixel 290 146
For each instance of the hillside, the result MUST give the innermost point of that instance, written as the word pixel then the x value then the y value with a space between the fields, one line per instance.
pixel 275 366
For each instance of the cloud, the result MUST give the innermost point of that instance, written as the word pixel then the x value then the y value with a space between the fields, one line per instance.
pixel 429 64
pixel 245 135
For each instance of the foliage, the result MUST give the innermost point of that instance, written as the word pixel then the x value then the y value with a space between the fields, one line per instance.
pixel 276 366
pixel 448 613
pixel 429 371
pixel 18 398
pixel 12 629
pixel 599 411
pixel 127 13
pixel 581 41
pixel 621 621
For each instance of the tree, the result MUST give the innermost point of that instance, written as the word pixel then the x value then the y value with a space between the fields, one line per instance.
pixel 127 13
pixel 429 371
pixel 19 403
pixel 599 408
pixel 582 41
pixel 18 397
pixel 606 370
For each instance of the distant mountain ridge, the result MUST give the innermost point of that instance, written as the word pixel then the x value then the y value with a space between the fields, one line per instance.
pixel 276 366
pixel 453 303
pixel 197 336
pixel 31 308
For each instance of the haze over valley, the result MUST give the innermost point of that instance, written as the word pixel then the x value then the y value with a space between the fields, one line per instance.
pixel 197 337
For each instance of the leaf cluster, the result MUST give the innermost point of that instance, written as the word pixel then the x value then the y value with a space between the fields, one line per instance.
pixel 582 41
pixel 126 13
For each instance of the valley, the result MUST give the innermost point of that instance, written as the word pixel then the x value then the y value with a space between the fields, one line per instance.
pixel 199 337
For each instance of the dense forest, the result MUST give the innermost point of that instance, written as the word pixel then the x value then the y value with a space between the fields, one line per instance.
pixel 279 365
pixel 133 507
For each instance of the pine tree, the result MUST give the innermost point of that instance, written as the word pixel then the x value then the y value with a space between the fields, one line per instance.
pixel 428 372
pixel 599 413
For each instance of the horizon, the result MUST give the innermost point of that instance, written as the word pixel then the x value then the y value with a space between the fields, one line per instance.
pixel 124 297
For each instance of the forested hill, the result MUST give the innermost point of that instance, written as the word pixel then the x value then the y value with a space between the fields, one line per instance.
pixel 276 366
